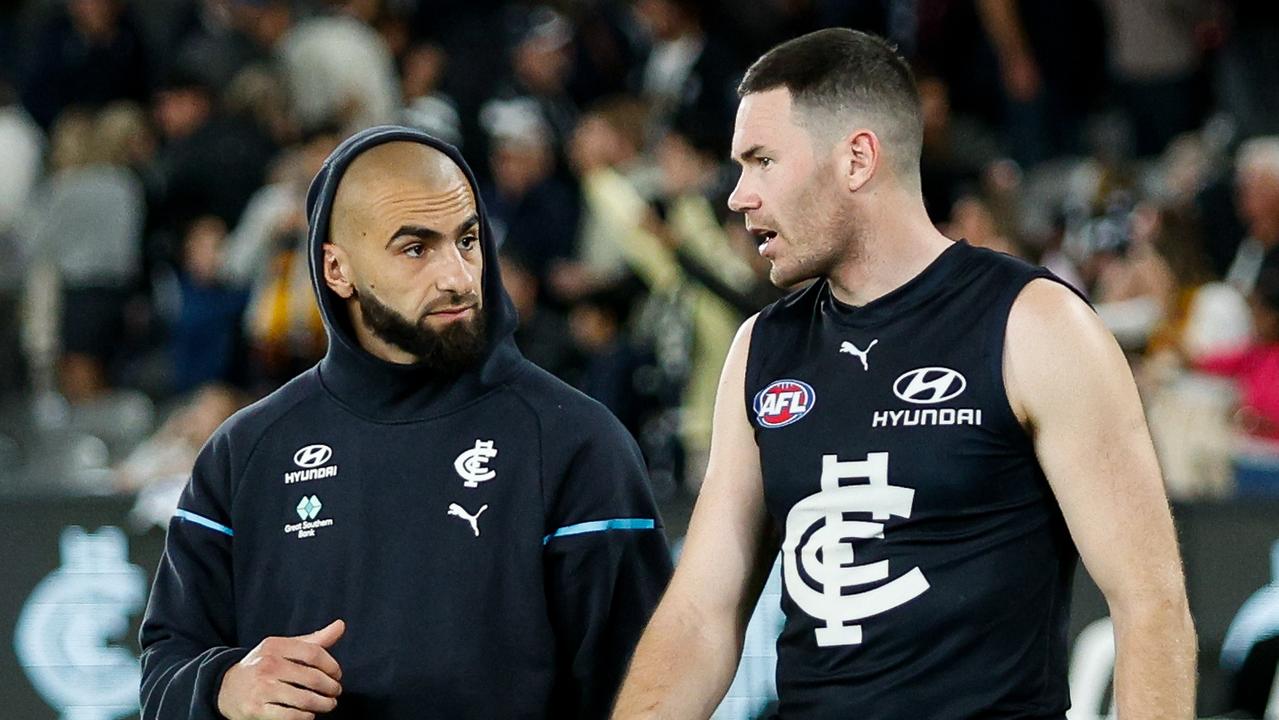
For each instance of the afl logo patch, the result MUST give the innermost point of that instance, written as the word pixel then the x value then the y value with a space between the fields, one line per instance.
pixel 783 402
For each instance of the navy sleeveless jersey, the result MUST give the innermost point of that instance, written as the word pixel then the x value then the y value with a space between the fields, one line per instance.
pixel 926 565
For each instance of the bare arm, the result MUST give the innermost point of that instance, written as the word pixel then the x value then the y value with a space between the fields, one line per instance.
pixel 1069 383
pixel 686 658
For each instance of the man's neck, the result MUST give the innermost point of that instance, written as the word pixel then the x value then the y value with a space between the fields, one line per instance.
pixel 898 242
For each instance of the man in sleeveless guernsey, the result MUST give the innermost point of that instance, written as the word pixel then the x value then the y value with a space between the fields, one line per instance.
pixel 424 525
pixel 930 433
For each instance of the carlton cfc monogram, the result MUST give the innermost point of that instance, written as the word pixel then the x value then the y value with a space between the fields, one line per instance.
pixel 826 555
pixel 472 465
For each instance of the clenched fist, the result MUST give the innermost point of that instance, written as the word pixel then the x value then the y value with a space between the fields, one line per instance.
pixel 284 678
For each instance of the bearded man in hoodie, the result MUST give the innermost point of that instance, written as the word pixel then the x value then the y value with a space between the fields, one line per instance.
pixel 423 525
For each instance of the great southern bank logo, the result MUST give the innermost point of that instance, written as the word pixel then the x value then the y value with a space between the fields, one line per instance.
pixel 308 509
pixel 783 402
pixel 311 459
pixel 71 634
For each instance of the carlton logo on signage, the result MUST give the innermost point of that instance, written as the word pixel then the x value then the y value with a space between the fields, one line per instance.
pixel 929 385
pixel 312 456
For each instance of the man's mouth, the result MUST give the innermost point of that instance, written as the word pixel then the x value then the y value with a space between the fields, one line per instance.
pixel 453 313
pixel 763 236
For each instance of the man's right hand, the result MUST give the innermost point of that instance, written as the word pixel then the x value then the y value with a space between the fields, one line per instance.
pixel 284 678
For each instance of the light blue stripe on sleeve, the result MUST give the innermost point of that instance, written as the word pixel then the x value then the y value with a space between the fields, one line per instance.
pixel 202 520
pixel 601 526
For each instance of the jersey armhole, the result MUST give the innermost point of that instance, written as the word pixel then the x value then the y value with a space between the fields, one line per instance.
pixel 750 373
pixel 998 338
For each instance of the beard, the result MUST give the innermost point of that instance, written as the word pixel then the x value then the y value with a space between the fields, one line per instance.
pixel 826 234
pixel 456 348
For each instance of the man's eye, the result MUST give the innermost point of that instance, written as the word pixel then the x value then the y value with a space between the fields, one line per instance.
pixel 414 250
pixel 468 242
pixel 765 162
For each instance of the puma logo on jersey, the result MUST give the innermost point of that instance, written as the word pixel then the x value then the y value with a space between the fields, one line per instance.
pixel 851 349
pixel 458 511
pixel 783 402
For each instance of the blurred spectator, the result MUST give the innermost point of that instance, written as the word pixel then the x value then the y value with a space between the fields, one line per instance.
pixel 221 37
pixel 208 163
pixel 697 264
pixel 1248 67
pixel 87 222
pixel 688 71
pixel 1189 414
pixel 1133 283
pixel 1256 367
pixel 539 53
pixel 89 53
pixel 1154 58
pixel 170 452
pixel 276 213
pixel 1200 316
pixel 266 254
pixel 543 335
pixel 22 147
pixel 955 150
pixel 972 220
pixel 257 95
pixel 541 66
pixel 1052 67
pixel 206 336
pixel 609 362
pixel 1257 178
pixel 338 70
pixel 534 214
pixel 606 149
pixel 605 48
pixel 426 106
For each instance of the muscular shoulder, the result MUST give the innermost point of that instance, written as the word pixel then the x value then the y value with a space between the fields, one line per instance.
pixel 1054 342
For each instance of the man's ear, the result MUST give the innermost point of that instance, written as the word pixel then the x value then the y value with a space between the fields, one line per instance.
pixel 862 155
pixel 337 271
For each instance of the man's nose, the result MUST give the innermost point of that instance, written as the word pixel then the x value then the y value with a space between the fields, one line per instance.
pixel 743 197
pixel 455 274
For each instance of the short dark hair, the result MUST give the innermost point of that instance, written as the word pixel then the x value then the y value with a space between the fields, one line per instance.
pixel 841 70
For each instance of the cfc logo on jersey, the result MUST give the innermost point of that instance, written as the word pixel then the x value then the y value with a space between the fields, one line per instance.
pixel 783 402
pixel 818 558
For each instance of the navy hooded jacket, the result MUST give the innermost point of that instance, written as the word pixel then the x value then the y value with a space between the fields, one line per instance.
pixel 490 540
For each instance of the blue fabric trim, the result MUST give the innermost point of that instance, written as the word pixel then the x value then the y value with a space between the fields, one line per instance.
pixel 202 520
pixel 602 525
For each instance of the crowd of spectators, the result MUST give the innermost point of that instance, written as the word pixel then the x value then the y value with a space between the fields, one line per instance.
pixel 155 158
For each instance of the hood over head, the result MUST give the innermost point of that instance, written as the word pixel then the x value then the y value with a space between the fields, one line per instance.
pixel 374 387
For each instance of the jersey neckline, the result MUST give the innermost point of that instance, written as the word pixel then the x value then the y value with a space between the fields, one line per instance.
pixel 901 299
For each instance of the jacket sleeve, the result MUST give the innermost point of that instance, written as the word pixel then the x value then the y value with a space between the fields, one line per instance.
pixel 188 632
pixel 607 564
